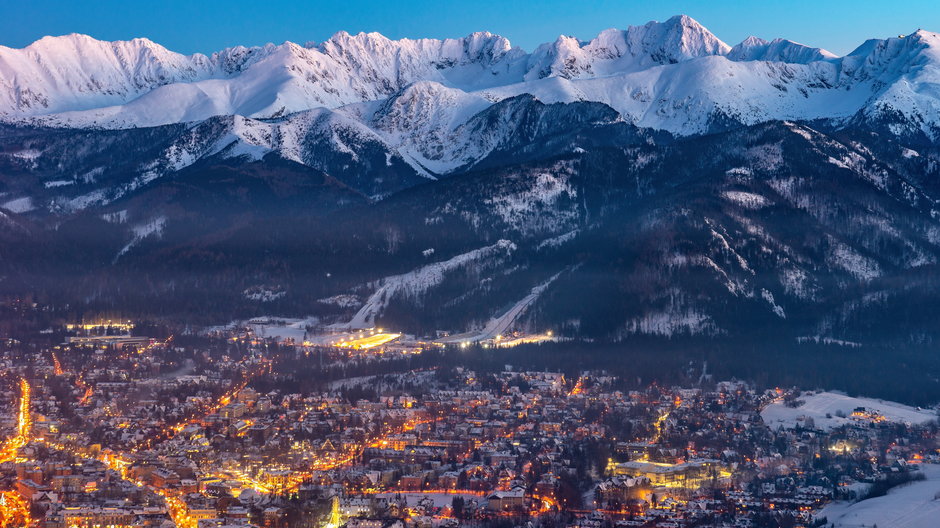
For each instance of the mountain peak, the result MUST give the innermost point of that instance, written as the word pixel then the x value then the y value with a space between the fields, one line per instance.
pixel 81 41
pixel 684 21
pixel 777 50
pixel 70 38
pixel 752 41
pixel 343 40
pixel 670 75
pixel 928 38
pixel 677 39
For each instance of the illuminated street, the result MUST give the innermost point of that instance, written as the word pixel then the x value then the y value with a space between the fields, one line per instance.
pixel 258 432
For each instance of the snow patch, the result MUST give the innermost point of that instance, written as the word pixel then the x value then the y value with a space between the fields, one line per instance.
pixel 343 300
pixel 796 282
pixel 828 341
pixel 860 266
pixel 672 322
pixel 117 217
pixel 57 183
pixel 262 294
pixel 747 199
pixel 908 153
pixel 521 209
pixel 769 297
pixel 19 205
pixel 559 240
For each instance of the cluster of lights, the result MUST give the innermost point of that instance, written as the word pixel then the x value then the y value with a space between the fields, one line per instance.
pixel 365 340
pixel 10 449
pixel 125 326
pixel 14 511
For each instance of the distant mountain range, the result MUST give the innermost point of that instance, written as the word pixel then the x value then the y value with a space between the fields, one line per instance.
pixel 651 181
pixel 673 76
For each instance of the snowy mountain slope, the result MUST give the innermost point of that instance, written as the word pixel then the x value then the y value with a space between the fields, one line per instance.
pixel 65 170
pixel 419 121
pixel 77 72
pixel 612 52
pixel 446 130
pixel 375 149
pixel 777 227
pixel 689 188
pixel 673 75
pixel 778 50
pixel 691 98
pixel 138 83
pixel 501 323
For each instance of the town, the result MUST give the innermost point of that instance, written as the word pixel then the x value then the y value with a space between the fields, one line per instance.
pixel 108 427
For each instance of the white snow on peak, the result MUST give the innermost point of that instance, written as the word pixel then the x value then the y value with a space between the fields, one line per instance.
pixel 673 75
pixel 618 51
pixel 778 50
pixel 75 72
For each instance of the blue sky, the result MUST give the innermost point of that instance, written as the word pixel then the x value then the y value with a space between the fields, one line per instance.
pixel 209 25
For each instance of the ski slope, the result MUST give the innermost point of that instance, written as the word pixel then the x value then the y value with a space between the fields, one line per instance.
pixel 418 281
pixel 499 325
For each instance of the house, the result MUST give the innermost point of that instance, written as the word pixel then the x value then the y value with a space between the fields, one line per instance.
pixel 513 499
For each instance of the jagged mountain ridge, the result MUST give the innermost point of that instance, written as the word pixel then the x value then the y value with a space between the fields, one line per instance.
pixel 63 171
pixel 643 183
pixel 673 75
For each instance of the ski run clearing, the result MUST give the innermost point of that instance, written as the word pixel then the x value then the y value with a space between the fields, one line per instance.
pixel 498 325
pixel 419 281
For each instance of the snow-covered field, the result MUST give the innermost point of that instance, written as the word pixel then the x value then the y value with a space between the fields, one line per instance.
pixel 823 407
pixel 295 331
pixel 913 505
pixel 281 328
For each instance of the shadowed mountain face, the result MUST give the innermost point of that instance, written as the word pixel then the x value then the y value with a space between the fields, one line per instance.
pixel 778 229
pixel 603 190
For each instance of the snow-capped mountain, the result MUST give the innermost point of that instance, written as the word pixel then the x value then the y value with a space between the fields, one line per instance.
pixel 614 52
pixel 673 75
pixel 779 50
pixel 80 81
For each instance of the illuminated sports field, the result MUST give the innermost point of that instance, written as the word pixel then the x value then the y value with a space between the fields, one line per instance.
pixel 371 341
